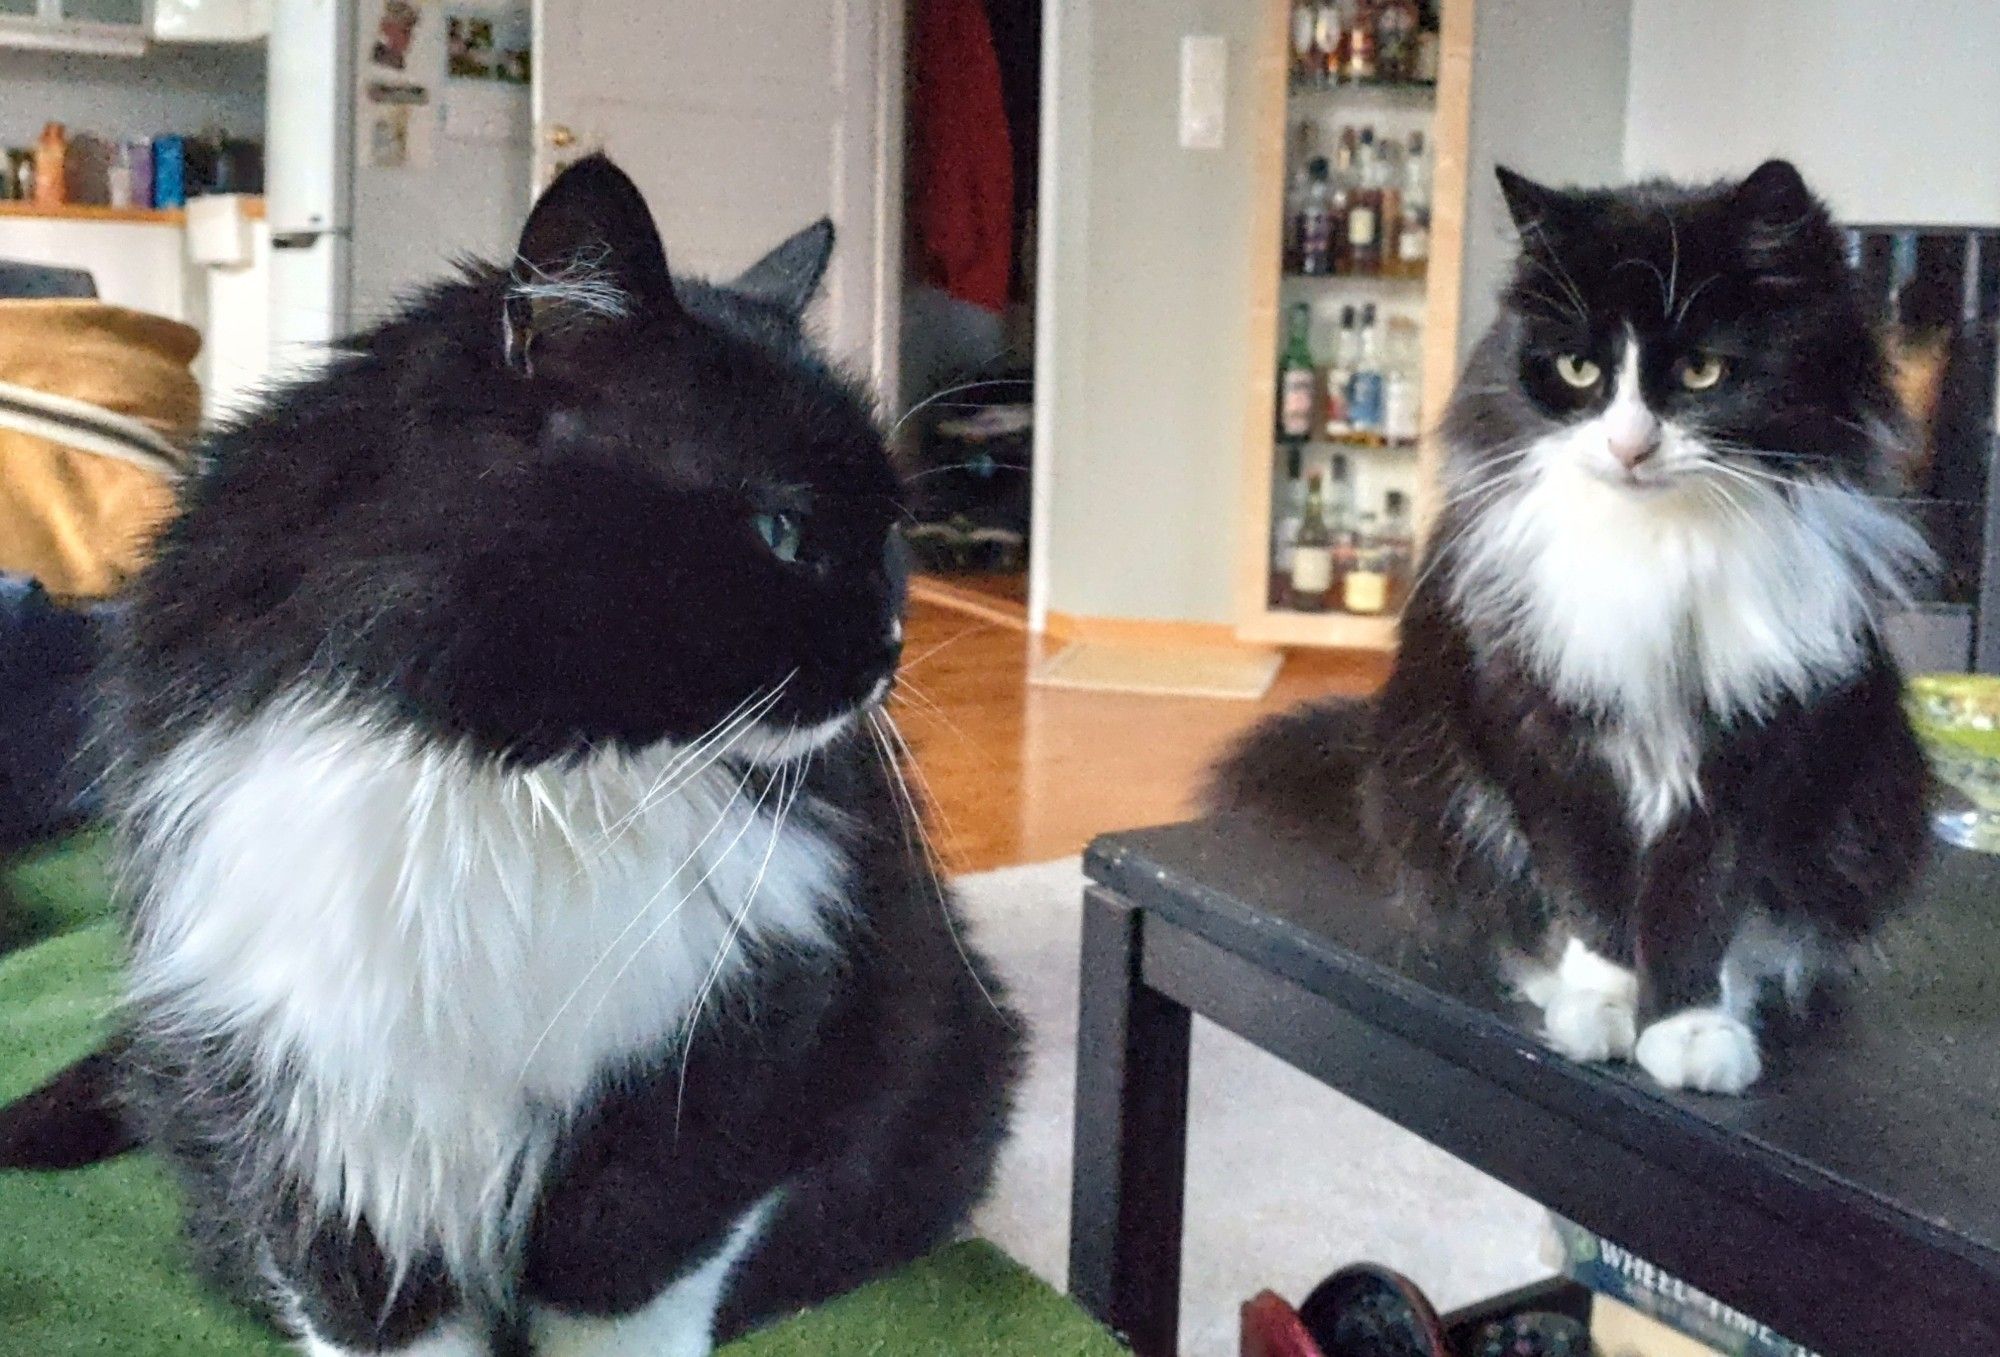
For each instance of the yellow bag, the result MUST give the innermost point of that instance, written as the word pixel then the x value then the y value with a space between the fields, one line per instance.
pixel 97 408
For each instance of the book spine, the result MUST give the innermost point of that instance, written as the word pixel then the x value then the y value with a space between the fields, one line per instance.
pixel 1610 1270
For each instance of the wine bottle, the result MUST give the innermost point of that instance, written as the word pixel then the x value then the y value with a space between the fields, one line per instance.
pixel 1296 380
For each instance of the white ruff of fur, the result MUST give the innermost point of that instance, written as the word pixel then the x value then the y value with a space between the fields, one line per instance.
pixel 428 956
pixel 1709 593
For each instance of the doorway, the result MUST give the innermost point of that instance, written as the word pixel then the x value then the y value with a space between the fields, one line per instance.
pixel 964 435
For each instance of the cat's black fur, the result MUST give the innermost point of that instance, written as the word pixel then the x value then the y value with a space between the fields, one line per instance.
pixel 1811 805
pixel 524 527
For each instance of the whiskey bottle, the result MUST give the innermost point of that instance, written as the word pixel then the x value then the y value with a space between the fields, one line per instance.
pixel 1365 588
pixel 1364 214
pixel 1360 67
pixel 1316 221
pixel 1312 555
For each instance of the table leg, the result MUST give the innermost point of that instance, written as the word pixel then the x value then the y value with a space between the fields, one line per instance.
pixel 1131 1136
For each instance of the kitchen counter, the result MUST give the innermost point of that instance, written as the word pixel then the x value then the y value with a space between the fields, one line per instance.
pixel 157 216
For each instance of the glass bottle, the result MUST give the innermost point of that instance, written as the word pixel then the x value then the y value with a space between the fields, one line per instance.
pixel 1316 221
pixel 1365 394
pixel 1365 588
pixel 1364 215
pixel 1413 238
pixel 1338 425
pixel 1306 64
pixel 1402 390
pixel 1397 23
pixel 1399 544
pixel 1296 380
pixel 1345 181
pixel 1360 66
pixel 1312 555
pixel 1285 523
pixel 1330 37
pixel 51 169
pixel 1297 192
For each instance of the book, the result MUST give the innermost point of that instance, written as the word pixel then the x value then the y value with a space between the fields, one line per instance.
pixel 1612 1270
pixel 1617 1330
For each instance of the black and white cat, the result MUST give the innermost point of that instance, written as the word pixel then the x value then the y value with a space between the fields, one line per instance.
pixel 533 950
pixel 1642 727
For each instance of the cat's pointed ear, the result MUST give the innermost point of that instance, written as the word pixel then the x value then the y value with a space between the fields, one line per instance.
pixel 1532 206
pixel 1787 234
pixel 1774 191
pixel 791 274
pixel 589 257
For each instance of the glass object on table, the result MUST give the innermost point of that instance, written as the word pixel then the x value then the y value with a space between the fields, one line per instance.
pixel 1957 718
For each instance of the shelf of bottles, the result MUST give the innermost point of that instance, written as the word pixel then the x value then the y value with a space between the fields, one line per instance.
pixel 1355 257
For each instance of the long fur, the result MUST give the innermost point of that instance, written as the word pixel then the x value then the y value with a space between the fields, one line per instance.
pixel 531 943
pixel 1644 706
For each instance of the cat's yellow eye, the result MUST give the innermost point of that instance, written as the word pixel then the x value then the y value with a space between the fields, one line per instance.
pixel 1701 372
pixel 781 533
pixel 1579 372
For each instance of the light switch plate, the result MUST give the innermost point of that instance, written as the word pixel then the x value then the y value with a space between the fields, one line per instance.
pixel 1204 90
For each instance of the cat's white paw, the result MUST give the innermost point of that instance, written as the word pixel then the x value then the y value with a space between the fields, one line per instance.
pixel 1591 1024
pixel 1703 1049
pixel 1590 1005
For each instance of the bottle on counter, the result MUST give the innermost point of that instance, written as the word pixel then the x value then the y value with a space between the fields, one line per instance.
pixel 51 166
pixel 118 175
pixel 1296 380
pixel 1312 555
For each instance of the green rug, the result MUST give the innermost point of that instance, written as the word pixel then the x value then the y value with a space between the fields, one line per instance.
pixel 91 1262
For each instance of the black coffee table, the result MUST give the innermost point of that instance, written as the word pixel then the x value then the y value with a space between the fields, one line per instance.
pixel 1851 1202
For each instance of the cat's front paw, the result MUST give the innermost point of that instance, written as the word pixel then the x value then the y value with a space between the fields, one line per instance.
pixel 1591 1024
pixel 1702 1049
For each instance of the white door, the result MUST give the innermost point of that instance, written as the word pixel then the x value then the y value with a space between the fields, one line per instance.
pixel 742 121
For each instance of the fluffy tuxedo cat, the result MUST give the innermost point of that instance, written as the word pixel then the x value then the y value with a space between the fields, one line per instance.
pixel 1642 729
pixel 533 948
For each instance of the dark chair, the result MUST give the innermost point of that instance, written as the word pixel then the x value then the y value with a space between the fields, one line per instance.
pixel 21 281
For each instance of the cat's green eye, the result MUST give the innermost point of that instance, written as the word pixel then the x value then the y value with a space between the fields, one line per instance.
pixel 1579 372
pixel 1701 372
pixel 781 533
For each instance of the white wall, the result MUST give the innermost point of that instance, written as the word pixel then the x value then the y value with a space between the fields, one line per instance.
pixel 1548 100
pixel 1145 369
pixel 169 89
pixel 1891 108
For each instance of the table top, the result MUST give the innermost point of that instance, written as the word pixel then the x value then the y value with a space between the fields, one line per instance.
pixel 1888 1101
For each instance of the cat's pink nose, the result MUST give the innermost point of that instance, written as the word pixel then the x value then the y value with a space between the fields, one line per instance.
pixel 1633 453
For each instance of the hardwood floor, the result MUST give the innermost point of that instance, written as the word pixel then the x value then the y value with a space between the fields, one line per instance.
pixel 1024 774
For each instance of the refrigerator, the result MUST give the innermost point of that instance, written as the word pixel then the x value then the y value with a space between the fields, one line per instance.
pixel 386 162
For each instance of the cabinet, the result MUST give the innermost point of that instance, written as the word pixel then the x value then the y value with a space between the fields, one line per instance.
pixel 113 27
pixel 1417 304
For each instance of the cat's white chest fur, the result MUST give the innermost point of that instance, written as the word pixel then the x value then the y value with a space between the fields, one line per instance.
pixel 1654 609
pixel 437 959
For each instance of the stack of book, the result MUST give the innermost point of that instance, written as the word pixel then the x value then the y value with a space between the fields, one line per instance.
pixel 1642 1311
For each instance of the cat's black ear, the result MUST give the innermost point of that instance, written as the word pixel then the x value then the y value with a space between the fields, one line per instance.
pixel 791 274
pixel 1774 191
pixel 1530 204
pixel 589 257
pixel 1787 235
